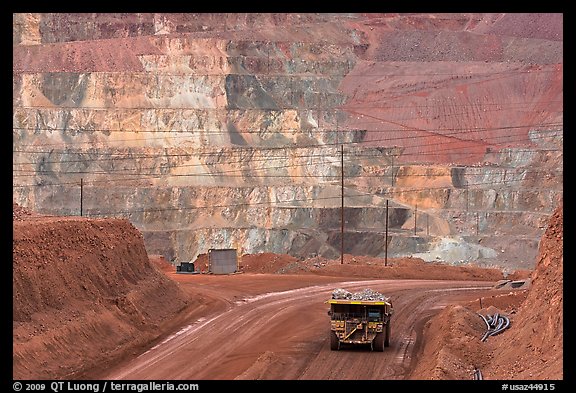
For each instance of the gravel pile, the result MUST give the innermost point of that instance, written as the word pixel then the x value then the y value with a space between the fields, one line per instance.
pixel 20 213
pixel 366 294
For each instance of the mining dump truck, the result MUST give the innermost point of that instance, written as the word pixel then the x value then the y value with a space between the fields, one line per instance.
pixel 360 318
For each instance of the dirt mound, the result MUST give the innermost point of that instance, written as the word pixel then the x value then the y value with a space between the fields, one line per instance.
pixel 161 263
pixel 365 266
pixel 453 348
pixel 401 268
pixel 201 263
pixel 84 294
pixel 266 262
pixel 20 213
pixel 530 349
pixel 521 274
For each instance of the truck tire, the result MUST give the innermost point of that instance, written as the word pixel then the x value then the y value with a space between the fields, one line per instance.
pixel 334 342
pixel 378 342
pixel 387 339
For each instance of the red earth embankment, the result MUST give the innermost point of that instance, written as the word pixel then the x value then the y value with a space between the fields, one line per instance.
pixel 359 266
pixel 534 350
pixel 84 294
pixel 530 349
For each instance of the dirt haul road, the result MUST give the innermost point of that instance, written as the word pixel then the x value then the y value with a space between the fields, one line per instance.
pixel 280 330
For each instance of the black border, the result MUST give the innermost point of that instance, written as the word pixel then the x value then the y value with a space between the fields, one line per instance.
pixel 295 6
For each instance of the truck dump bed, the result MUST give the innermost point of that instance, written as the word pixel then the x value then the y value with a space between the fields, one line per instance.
pixel 365 302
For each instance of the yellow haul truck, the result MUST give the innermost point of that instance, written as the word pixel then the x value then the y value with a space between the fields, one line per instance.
pixel 360 322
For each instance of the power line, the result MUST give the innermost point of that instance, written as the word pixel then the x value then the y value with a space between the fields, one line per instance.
pixel 284 130
pixel 380 195
pixel 462 131
pixel 285 157
pixel 230 173
pixel 132 156
pixel 207 132
pixel 470 83
pixel 203 207
pixel 280 75
pixel 156 176
pixel 352 156
pixel 527 104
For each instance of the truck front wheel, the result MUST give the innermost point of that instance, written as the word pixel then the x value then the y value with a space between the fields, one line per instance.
pixel 378 342
pixel 334 342
pixel 387 339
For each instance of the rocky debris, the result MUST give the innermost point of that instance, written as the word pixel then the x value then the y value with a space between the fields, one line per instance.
pixel 20 213
pixel 365 294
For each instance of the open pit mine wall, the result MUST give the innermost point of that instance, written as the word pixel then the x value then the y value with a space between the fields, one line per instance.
pixel 207 136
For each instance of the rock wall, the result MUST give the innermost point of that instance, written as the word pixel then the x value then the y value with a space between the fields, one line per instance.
pixel 225 130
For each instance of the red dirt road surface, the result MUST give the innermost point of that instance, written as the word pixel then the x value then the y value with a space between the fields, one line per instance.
pixel 283 334
pixel 90 304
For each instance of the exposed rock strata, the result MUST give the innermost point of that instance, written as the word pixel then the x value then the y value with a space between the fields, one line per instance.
pixel 221 130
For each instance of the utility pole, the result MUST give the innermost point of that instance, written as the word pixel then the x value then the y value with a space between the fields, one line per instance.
pixel 337 130
pixel 392 174
pixel 268 62
pixel 477 223
pixel 318 110
pixel 81 196
pixel 415 212
pixel 292 92
pixel 386 243
pixel 342 206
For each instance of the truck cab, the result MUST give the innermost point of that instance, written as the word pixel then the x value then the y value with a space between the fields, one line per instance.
pixel 360 322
